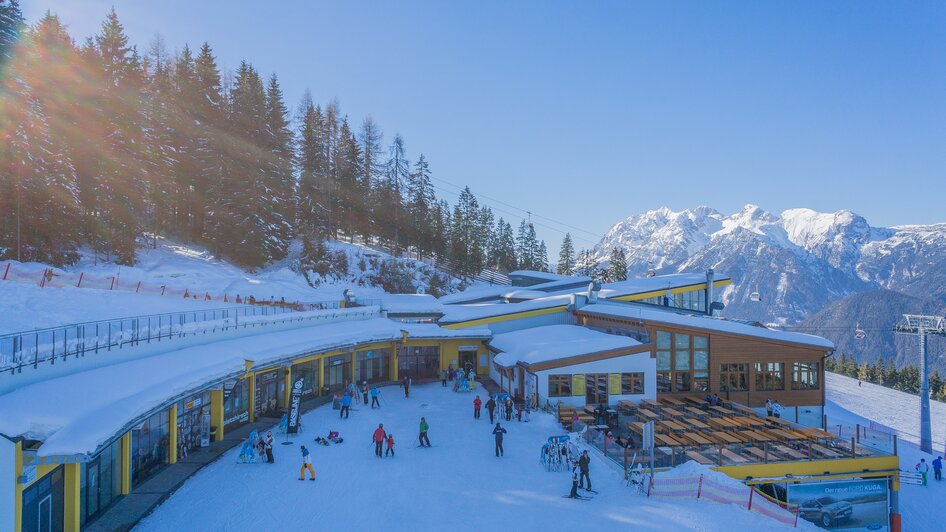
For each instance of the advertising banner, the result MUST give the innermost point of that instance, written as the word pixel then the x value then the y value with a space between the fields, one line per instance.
pixel 295 400
pixel 843 505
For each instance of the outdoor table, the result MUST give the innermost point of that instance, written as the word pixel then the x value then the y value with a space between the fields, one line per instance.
pixel 666 440
pixel 700 459
pixel 671 412
pixel 696 411
pixel 791 453
pixel 722 411
pixel 697 438
pixel 647 414
pixel 721 423
pixel 725 437
pixel 673 401
pixel 636 426
pixel 733 456
pixel 695 423
pixel 675 427
pixel 650 403
pixel 825 451
pixel 758 453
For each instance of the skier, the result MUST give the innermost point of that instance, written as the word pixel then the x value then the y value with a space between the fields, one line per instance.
pixel 364 392
pixel 768 407
pixel 498 432
pixel 574 492
pixel 443 378
pixel 777 409
pixel 374 397
pixel 938 468
pixel 390 449
pixel 923 468
pixel 346 404
pixel 477 403
pixel 306 464
pixel 378 439
pixel 491 406
pixel 583 462
pixel 269 448
pixel 423 433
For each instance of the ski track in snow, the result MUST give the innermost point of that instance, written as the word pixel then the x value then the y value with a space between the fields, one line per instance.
pixel 458 484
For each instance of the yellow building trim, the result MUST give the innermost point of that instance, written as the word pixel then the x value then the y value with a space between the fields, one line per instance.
pixel 72 503
pixel 321 377
pixel 288 390
pixel 678 290
pixel 17 488
pixel 505 317
pixel 216 412
pixel 880 465
pixel 172 434
pixel 251 386
pixel 126 463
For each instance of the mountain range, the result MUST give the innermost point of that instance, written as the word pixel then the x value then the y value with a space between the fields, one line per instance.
pixel 800 262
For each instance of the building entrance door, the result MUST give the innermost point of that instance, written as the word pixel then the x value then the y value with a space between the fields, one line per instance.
pixel 468 361
pixel 596 389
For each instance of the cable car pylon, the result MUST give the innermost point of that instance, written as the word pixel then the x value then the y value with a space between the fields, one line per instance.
pixel 922 326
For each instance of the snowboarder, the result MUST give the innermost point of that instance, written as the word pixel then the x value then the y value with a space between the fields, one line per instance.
pixel 938 468
pixel 498 432
pixel 777 409
pixel 306 464
pixel 443 378
pixel 583 462
pixel 477 403
pixel 346 404
pixel 574 492
pixel 390 449
pixel 423 433
pixel 378 439
pixel 374 397
pixel 923 468
pixel 768 407
pixel 269 448
pixel 364 392
pixel 491 406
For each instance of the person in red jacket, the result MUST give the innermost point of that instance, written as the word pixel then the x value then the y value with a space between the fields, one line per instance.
pixel 378 439
pixel 477 403
pixel 390 448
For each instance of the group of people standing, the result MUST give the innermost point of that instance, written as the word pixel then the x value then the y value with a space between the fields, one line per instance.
pixel 351 395
pixel 773 408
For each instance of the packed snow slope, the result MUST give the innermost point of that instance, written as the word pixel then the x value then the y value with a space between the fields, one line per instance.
pixel 178 267
pixel 456 485
pixel 921 507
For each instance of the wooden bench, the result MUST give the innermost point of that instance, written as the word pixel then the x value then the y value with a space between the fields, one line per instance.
pixel 721 411
pixel 666 440
pixel 744 409
pixel 825 451
pixel 699 458
pixel 725 437
pixel 791 453
pixel 733 456
pixel 671 426
pixel 696 438
pixel 648 414
pixel 695 423
pixel 694 411
pixel 672 413
pixel 636 427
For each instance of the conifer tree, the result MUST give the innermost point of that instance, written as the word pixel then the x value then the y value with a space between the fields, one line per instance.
pixel 566 256
pixel 617 271
pixel 504 248
pixel 421 198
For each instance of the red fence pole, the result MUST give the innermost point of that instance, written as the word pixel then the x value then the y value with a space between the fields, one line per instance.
pixel 6 271
pixel 699 489
pixel 79 284
pixel 751 493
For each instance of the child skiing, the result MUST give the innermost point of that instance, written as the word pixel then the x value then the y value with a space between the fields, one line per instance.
pixel 574 492
pixel 346 404
pixel 423 433
pixel 498 433
pixel 390 449
pixel 477 403
pixel 306 464
pixel 491 406
pixel 378 439
pixel 374 397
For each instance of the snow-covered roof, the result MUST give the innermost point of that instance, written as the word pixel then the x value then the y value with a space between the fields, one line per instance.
pixel 670 317
pixel 651 284
pixel 411 304
pixel 554 342
pixel 462 313
pixel 485 292
pixel 548 276
pixel 77 413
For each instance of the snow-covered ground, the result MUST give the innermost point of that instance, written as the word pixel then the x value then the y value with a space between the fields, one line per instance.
pixel 849 403
pixel 458 484
pixel 178 267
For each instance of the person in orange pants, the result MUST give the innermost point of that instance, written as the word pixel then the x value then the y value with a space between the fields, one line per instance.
pixel 306 465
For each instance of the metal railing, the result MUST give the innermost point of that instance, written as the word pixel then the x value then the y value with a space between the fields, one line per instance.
pixel 32 348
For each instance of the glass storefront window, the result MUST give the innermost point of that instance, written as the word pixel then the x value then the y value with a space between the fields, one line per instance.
pixel 42 503
pixel 338 372
pixel 309 371
pixel 149 447
pixel 100 482
pixel 193 423
pixel 270 392
pixel 372 365
pixel 419 361
pixel 236 402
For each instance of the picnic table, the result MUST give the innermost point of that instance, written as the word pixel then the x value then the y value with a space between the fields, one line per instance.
pixel 733 456
pixel 751 421
pixel 695 423
pixel 700 459
pixel 814 433
pixel 697 438
pixel 779 421
pixel 667 441
pixel 825 451
pixel 671 426
pixel 650 403
pixel 636 426
pixel 627 405
pixel 672 400
pixel 672 412
pixel 648 414
pixel 692 410
pixel 786 434
pixel 722 411
pixel 725 437
pixel 758 436
pixel 791 453
pixel 721 423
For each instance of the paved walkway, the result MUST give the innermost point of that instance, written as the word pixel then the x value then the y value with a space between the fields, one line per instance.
pixel 144 498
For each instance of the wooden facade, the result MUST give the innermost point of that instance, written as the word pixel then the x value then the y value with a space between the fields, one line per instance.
pixel 735 350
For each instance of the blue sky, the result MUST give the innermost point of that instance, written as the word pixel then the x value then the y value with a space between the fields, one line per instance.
pixel 586 112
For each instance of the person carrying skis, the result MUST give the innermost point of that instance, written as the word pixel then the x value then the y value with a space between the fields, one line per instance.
pixel 923 469
pixel 491 406
pixel 268 441
pixel 574 492
pixel 477 403
pixel 583 462
pixel 390 449
pixel 374 397
pixel 378 439
pixel 777 409
pixel 346 404
pixel 938 468
pixel 498 433
pixel 423 433
pixel 306 464
pixel 364 392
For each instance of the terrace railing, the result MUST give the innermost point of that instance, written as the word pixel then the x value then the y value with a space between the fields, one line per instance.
pixel 58 344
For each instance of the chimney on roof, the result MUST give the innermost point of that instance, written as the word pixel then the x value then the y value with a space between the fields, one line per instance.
pixel 710 275
pixel 593 288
